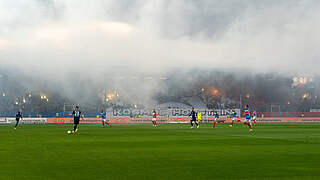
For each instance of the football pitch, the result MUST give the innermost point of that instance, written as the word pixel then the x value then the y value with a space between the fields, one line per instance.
pixel 170 151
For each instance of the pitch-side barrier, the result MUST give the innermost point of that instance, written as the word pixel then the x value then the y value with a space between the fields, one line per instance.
pixel 176 120
pixel 10 120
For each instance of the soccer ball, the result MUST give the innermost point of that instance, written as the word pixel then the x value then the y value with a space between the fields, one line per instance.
pixel 69 132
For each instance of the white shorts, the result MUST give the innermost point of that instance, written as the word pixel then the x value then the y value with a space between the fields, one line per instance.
pixel 154 119
pixel 104 120
pixel 233 119
pixel 215 119
pixel 254 118
pixel 247 120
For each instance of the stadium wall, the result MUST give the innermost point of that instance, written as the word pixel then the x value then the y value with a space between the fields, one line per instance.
pixel 289 114
pixel 183 120
pixel 170 113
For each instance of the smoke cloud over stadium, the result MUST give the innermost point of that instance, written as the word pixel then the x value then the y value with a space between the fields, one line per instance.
pixel 78 44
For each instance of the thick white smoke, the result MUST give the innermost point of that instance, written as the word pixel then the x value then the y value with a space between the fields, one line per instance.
pixel 55 38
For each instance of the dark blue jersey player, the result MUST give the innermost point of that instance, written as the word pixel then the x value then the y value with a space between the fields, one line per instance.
pixel 76 118
pixel 18 117
pixel 193 116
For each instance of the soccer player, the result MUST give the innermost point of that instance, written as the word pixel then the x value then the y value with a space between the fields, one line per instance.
pixel 234 117
pixel 193 115
pixel 247 115
pixel 199 116
pixel 103 115
pixel 216 117
pixel 76 118
pixel 154 118
pixel 18 117
pixel 254 116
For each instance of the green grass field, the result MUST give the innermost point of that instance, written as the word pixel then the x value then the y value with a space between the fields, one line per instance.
pixel 170 151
